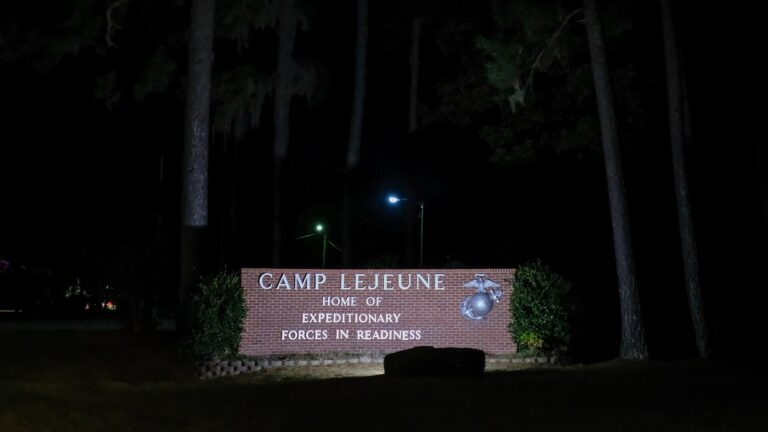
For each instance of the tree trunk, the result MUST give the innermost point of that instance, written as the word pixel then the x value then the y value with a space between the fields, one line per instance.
pixel 633 343
pixel 413 105
pixel 347 216
pixel 762 172
pixel 287 18
pixel 219 173
pixel 233 245
pixel 194 211
pixel 685 222
pixel 413 125
pixel 226 204
pixel 355 128
pixel 277 216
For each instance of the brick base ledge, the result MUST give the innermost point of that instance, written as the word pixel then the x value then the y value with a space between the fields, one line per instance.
pixel 219 368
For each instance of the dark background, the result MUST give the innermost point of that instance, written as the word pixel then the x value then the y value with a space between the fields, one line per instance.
pixel 93 192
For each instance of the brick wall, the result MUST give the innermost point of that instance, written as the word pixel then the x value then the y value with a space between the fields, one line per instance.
pixel 287 319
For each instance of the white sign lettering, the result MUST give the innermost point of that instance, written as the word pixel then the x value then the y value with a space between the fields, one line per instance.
pixel 354 282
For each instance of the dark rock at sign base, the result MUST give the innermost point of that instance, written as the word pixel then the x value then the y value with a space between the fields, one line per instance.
pixel 430 361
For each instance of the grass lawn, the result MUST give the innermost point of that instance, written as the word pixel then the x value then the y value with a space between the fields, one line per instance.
pixel 115 381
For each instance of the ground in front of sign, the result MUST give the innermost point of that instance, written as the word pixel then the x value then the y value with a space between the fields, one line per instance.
pixel 112 380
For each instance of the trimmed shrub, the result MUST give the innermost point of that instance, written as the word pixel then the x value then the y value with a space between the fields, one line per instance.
pixel 217 312
pixel 539 309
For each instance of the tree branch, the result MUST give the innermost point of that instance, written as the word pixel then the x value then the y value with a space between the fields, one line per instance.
pixel 547 44
pixel 111 25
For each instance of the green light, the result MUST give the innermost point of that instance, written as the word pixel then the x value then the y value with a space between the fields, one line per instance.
pixel 319 228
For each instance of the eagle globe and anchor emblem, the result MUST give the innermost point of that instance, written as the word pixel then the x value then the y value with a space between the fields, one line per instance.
pixel 479 304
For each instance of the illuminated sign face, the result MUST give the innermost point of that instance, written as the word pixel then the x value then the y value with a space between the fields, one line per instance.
pixel 295 311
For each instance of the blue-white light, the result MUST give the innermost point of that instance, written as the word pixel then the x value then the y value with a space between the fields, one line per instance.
pixel 393 199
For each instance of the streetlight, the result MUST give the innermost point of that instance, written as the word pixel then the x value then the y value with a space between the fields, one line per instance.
pixel 394 199
pixel 320 229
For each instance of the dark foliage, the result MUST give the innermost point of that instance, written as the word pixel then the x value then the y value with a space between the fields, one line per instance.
pixel 539 309
pixel 217 314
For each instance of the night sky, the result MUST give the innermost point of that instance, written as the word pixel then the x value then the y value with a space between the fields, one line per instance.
pixel 90 187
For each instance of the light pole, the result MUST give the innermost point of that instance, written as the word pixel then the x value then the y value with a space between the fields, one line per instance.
pixel 394 199
pixel 319 229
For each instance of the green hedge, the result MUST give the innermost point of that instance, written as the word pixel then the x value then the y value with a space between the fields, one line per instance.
pixel 217 312
pixel 539 309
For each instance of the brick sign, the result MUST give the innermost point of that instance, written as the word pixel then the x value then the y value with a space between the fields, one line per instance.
pixel 303 311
